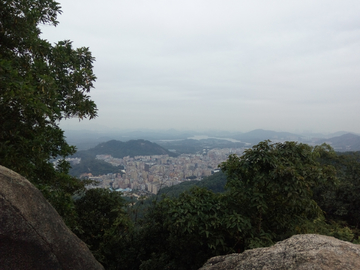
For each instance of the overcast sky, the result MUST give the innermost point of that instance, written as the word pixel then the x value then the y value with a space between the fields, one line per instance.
pixel 227 65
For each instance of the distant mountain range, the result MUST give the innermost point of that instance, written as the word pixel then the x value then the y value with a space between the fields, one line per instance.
pixel 192 146
pixel 346 142
pixel 341 141
pixel 259 135
pixel 118 149
pixel 88 139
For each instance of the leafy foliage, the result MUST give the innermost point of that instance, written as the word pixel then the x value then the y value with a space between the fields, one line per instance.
pixel 183 232
pixel 40 84
pixel 272 183
pixel 103 224
pixel 341 202
pixel 272 193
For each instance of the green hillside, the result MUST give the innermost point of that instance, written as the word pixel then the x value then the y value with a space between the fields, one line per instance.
pixel 215 183
pixel 345 142
pixel 116 149
pixel 119 149
pixel 95 167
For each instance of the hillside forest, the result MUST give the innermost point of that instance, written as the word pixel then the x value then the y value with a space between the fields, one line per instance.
pixel 272 191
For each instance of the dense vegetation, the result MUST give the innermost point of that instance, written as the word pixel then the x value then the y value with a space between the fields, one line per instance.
pixel 215 183
pixel 41 84
pixel 272 192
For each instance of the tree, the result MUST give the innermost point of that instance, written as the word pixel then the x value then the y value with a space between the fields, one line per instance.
pixel 104 225
pixel 341 201
pixel 40 84
pixel 272 185
pixel 183 232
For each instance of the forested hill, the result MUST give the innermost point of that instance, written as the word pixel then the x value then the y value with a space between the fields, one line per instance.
pixel 345 142
pixel 119 149
pixel 215 183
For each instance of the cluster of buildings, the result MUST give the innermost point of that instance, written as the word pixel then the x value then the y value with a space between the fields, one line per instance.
pixel 151 173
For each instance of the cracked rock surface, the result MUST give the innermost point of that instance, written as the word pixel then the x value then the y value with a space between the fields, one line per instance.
pixel 32 234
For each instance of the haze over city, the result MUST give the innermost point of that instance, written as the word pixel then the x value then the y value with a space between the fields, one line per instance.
pixel 228 65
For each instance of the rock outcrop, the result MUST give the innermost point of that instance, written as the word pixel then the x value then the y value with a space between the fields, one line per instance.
pixel 32 234
pixel 300 252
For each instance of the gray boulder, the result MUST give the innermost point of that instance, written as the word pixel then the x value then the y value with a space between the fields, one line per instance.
pixel 32 234
pixel 300 252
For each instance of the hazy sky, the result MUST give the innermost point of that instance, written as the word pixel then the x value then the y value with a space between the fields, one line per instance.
pixel 227 65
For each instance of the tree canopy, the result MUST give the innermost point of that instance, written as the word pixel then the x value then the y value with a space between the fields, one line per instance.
pixel 40 84
pixel 273 184
pixel 103 223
